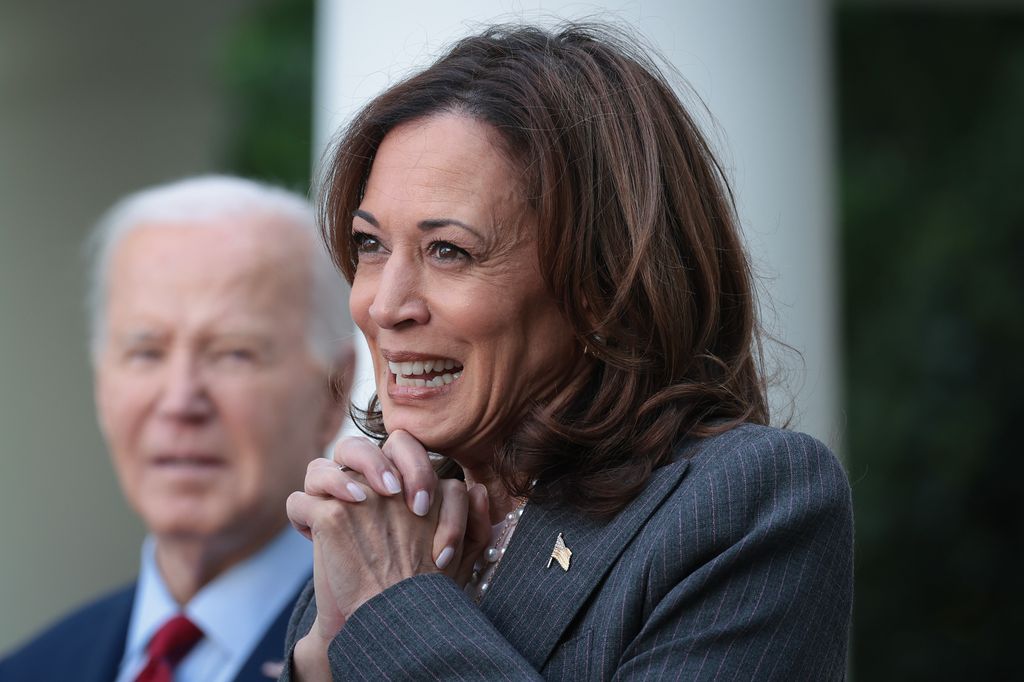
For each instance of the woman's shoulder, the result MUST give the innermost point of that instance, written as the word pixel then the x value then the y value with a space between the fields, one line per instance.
pixel 758 529
pixel 761 467
pixel 750 488
pixel 757 447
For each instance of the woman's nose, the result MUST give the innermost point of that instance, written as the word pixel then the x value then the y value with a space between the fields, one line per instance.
pixel 398 300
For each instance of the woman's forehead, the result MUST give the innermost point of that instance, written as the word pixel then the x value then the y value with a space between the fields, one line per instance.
pixel 441 164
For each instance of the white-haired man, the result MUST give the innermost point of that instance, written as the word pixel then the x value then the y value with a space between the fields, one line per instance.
pixel 218 324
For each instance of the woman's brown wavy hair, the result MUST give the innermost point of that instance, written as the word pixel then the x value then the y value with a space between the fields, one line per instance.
pixel 638 243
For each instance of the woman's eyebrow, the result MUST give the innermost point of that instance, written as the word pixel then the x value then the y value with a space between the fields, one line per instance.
pixel 434 223
pixel 425 225
pixel 367 216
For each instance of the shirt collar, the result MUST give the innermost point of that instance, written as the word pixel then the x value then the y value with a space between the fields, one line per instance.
pixel 234 610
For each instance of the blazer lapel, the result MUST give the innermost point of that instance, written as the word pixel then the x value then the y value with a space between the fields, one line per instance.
pixel 110 641
pixel 532 604
pixel 267 659
pixel 101 645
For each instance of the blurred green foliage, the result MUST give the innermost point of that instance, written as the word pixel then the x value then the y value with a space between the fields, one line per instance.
pixel 931 108
pixel 267 69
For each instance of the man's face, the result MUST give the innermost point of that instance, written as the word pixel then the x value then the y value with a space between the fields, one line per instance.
pixel 208 398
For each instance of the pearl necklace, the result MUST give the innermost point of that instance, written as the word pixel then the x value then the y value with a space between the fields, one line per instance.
pixel 483 569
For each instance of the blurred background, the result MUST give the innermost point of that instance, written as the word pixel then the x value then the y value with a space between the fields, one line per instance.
pixel 877 150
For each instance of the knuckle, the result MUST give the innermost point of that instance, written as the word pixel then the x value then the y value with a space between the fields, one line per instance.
pixel 401 444
pixel 424 469
pixel 351 442
pixel 351 448
pixel 453 489
pixel 390 449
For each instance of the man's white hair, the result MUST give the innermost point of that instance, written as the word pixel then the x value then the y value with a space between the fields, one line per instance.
pixel 210 198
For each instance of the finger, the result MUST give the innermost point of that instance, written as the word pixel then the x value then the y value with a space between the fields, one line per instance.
pixel 363 456
pixel 331 481
pixel 299 513
pixel 451 524
pixel 478 532
pixel 478 525
pixel 322 462
pixel 418 477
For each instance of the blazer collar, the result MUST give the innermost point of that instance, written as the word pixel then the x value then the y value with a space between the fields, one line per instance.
pixel 532 604
pixel 267 660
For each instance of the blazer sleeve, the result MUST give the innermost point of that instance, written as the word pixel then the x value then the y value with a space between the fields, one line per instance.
pixel 423 628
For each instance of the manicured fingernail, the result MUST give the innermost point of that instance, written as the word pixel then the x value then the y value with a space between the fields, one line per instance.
pixel 357 492
pixel 445 557
pixel 391 483
pixel 421 503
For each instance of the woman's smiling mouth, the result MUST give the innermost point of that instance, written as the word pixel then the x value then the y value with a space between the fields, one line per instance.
pixel 426 373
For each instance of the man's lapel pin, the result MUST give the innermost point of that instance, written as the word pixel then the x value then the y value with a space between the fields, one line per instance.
pixel 272 669
pixel 561 554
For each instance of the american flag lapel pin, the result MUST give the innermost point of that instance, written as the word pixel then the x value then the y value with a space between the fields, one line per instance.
pixel 560 553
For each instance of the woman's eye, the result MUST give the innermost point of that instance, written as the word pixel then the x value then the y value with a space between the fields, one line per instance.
pixel 365 243
pixel 446 251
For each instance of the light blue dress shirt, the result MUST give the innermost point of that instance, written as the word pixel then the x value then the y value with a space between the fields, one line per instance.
pixel 234 611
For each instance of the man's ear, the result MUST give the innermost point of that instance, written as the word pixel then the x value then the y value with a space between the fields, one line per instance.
pixel 338 393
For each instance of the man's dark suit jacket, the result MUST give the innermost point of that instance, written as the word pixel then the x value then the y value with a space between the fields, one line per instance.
pixel 88 645
pixel 734 563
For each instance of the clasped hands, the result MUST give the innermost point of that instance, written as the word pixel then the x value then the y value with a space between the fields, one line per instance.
pixel 382 518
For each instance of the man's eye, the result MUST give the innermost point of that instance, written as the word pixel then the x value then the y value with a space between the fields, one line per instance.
pixel 446 251
pixel 365 243
pixel 237 355
pixel 144 354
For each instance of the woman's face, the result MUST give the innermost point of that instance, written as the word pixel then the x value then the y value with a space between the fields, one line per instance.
pixel 462 330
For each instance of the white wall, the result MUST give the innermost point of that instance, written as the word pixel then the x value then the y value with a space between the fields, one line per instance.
pixel 763 69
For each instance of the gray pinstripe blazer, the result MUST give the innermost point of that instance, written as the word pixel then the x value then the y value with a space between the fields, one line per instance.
pixel 735 563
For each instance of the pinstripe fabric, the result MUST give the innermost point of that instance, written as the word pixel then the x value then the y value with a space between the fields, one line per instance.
pixel 735 563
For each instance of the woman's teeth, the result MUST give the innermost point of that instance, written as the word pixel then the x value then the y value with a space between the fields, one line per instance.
pixel 431 383
pixel 405 371
pixel 422 366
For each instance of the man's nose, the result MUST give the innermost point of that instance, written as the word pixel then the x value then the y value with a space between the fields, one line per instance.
pixel 185 395
pixel 399 300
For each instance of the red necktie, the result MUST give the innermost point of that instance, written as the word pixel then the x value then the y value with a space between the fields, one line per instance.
pixel 169 645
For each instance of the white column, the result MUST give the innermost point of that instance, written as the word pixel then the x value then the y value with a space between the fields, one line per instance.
pixel 763 68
